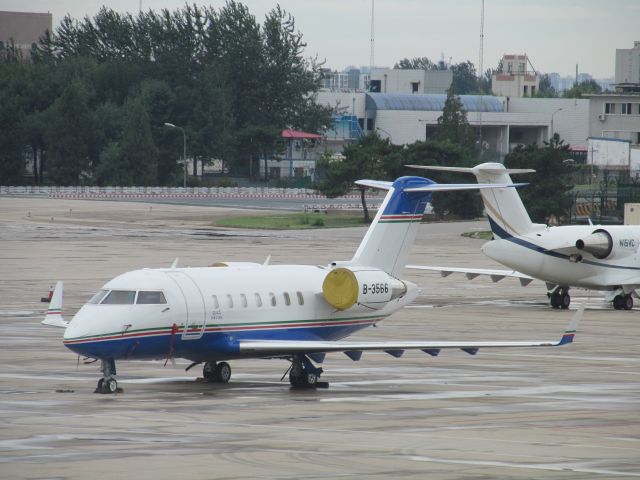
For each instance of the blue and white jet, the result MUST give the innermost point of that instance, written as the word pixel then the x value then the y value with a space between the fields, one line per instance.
pixel 211 315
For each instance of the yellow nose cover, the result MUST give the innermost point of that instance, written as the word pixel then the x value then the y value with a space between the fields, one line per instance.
pixel 340 288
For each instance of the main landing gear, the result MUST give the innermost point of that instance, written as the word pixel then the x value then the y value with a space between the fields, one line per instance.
pixel 560 298
pixel 108 383
pixel 303 374
pixel 216 372
pixel 623 302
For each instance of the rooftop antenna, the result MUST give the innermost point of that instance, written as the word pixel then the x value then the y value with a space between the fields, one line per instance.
pixel 480 76
pixel 371 58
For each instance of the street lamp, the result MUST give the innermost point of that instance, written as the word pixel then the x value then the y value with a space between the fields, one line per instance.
pixel 551 136
pixel 184 151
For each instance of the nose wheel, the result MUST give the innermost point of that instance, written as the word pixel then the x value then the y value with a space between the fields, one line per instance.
pixel 107 384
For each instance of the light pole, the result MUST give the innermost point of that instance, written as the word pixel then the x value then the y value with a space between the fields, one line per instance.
pixel 551 136
pixel 184 152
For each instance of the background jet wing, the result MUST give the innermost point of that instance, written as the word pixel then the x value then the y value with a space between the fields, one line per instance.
pixel 271 348
pixel 471 273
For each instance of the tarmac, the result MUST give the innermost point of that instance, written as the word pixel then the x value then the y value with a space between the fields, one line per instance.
pixel 546 413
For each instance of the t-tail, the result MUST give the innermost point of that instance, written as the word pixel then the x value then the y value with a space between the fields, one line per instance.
pixel 507 215
pixel 388 241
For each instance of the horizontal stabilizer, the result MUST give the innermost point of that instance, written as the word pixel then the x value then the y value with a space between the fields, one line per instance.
pixel 471 273
pixel 489 170
pixel 379 184
pixel 271 348
pixel 449 187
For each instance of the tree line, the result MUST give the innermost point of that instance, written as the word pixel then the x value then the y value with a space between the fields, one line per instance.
pixel 91 103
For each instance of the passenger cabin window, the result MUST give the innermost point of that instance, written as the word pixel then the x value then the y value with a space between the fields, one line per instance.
pixel 120 297
pixel 229 301
pixel 272 298
pixel 98 297
pixel 145 297
pixel 243 300
pixel 287 299
pixel 258 299
pixel 214 298
pixel 300 298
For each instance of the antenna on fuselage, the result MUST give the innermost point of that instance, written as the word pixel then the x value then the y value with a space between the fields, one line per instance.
pixel 175 263
pixel 267 261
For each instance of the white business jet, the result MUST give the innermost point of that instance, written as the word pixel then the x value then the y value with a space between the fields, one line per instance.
pixel 586 256
pixel 246 310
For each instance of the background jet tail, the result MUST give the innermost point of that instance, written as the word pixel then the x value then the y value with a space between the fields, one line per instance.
pixel 54 316
pixel 507 215
pixel 392 233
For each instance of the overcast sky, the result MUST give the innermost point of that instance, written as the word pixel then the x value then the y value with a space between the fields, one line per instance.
pixel 556 34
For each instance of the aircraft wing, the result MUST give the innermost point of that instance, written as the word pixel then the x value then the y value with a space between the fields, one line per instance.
pixel 471 273
pixel 271 348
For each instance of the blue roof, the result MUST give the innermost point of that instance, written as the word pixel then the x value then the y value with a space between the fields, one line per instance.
pixel 431 102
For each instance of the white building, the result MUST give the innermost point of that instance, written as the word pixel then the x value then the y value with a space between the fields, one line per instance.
pixel 514 80
pixel 388 80
pixel 628 66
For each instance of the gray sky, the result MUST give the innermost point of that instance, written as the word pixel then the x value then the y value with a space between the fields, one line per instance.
pixel 556 34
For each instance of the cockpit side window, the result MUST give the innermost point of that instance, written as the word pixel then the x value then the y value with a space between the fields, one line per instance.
pixel 145 297
pixel 120 297
pixel 97 297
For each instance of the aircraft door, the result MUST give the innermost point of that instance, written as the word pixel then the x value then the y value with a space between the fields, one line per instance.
pixel 194 313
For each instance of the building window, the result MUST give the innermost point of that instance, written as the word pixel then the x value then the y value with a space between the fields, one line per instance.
pixel 509 67
pixel 610 108
pixel 258 299
pixel 521 67
pixel 375 86
pixel 369 124
pixel 526 90
pixel 414 87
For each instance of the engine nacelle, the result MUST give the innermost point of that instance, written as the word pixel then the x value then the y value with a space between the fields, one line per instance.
pixel 599 244
pixel 612 243
pixel 344 287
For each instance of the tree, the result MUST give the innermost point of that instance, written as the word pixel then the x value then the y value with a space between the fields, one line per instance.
pixel 548 193
pixel 465 80
pixel 545 89
pixel 452 124
pixel 416 63
pixel 583 88
pixel 369 158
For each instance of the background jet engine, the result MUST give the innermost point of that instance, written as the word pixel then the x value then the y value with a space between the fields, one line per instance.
pixel 345 287
pixel 609 244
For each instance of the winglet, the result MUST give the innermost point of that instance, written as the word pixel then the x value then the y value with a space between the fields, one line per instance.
pixel 570 332
pixel 54 316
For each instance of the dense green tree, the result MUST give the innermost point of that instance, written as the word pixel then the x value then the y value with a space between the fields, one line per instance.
pixel 416 63
pixel 548 193
pixel 583 88
pixel 465 80
pixel 545 89
pixel 453 125
pixel 69 134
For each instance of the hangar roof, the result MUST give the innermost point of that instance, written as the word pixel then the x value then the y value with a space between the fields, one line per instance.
pixel 431 102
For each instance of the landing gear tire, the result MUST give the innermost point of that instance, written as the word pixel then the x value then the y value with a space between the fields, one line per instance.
pixel 107 384
pixel 222 372
pixel 623 302
pixel 560 298
pixel 111 386
pixel 565 301
pixel 208 371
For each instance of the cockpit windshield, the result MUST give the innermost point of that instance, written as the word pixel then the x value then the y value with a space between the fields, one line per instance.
pixel 128 297
pixel 119 297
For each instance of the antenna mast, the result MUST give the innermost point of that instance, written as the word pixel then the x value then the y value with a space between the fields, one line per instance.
pixel 371 59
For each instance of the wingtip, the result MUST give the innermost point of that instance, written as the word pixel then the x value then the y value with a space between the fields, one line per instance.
pixel 572 328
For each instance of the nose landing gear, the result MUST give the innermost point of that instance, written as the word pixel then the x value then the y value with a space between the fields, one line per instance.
pixel 107 384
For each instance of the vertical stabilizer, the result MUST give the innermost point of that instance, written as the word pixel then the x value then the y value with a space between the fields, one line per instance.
pixel 393 231
pixel 507 215
pixel 54 316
